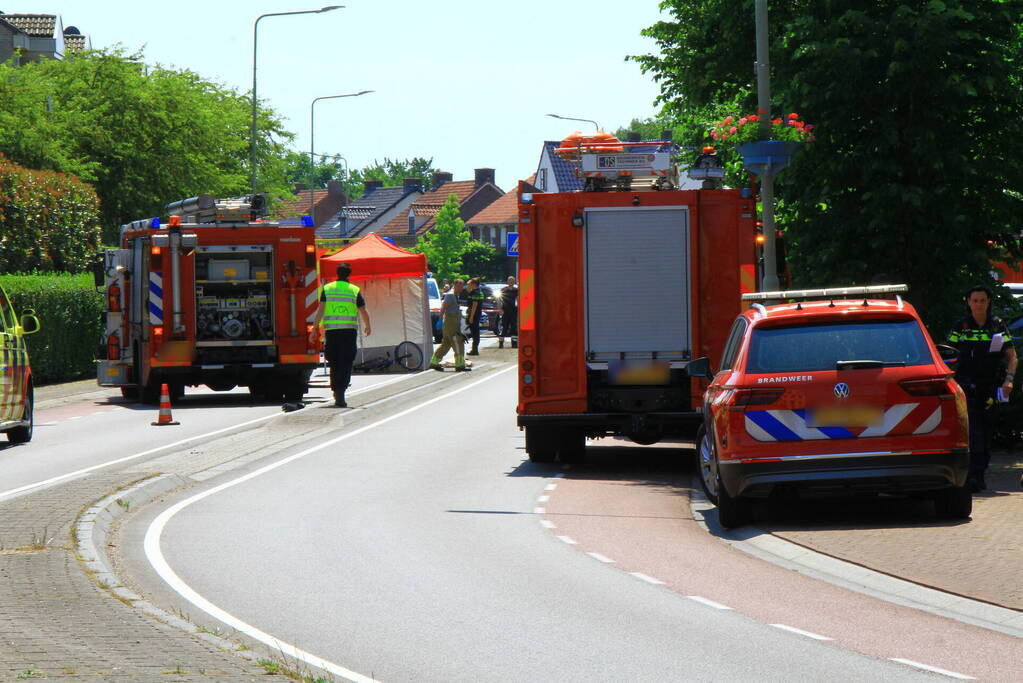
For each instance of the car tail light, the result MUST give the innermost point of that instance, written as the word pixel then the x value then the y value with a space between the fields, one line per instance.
pixel 934 386
pixel 743 398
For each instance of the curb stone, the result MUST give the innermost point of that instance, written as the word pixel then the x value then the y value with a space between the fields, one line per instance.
pixel 819 565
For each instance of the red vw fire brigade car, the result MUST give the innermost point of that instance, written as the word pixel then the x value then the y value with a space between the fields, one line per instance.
pixel 832 395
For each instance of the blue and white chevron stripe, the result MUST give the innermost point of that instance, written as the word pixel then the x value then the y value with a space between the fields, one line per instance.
pixel 791 425
pixel 155 299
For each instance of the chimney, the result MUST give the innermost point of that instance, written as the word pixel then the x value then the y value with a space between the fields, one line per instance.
pixel 297 188
pixel 633 136
pixel 370 185
pixel 484 176
pixel 412 184
pixel 334 188
pixel 440 177
pixel 666 134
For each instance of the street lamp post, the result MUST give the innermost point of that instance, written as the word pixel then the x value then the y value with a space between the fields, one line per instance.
pixel 770 282
pixel 570 118
pixel 312 147
pixel 255 35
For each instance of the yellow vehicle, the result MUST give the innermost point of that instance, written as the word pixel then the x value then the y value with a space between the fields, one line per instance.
pixel 16 393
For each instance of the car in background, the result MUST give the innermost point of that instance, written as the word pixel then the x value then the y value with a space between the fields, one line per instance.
pixel 17 408
pixel 492 305
pixel 829 397
pixel 433 297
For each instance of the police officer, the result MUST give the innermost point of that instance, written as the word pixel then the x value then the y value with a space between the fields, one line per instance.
pixel 341 307
pixel 474 296
pixel 983 342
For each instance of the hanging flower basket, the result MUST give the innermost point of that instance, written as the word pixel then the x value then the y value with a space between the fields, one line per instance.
pixel 765 157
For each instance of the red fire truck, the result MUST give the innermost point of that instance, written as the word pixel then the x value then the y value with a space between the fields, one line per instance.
pixel 216 296
pixel 622 285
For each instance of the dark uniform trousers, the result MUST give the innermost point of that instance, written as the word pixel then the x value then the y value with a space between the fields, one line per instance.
pixel 340 348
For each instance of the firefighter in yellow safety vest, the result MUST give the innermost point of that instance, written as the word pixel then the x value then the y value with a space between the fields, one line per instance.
pixel 341 307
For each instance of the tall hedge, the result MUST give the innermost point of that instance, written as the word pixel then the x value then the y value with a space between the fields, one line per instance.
pixel 70 312
pixel 48 221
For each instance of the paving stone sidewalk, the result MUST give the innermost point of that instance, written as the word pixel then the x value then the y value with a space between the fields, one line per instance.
pixel 56 623
pixel 980 559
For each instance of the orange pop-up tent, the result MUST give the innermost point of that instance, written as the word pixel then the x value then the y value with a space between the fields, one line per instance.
pixel 393 283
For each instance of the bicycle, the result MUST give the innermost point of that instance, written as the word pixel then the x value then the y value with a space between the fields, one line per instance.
pixel 408 355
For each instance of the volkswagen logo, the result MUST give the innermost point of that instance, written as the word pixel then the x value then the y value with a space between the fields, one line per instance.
pixel 841 390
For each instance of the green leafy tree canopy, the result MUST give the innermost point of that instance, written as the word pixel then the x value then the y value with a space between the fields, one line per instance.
pixel 446 244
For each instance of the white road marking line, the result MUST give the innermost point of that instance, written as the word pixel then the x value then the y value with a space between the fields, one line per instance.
pixel 567 540
pixel 709 603
pixel 550 487
pixel 539 511
pixel 934 669
pixel 76 417
pixel 801 632
pixel 547 524
pixel 648 579
pixel 543 499
pixel 598 556
pixel 182 442
pixel 159 563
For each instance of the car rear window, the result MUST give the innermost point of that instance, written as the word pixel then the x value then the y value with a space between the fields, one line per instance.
pixel 820 347
pixel 431 289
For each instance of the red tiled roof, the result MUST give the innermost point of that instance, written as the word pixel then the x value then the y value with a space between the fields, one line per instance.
pixel 297 205
pixel 74 41
pixel 505 209
pixel 429 205
pixel 35 25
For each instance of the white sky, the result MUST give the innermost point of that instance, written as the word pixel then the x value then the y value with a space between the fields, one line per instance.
pixel 466 82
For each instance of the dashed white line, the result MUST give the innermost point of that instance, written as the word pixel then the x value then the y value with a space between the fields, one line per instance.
pixel 550 487
pixel 567 540
pixel 76 417
pixel 648 579
pixel 602 558
pixel 801 632
pixel 547 524
pixel 543 499
pixel 933 669
pixel 709 603
pixel 539 511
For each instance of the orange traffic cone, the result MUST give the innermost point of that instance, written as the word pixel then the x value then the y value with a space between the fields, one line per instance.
pixel 165 409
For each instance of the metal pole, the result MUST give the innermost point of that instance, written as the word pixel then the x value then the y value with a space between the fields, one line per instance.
pixel 312 146
pixel 770 282
pixel 571 118
pixel 255 36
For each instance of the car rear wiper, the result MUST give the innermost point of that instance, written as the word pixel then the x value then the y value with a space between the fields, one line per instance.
pixel 863 364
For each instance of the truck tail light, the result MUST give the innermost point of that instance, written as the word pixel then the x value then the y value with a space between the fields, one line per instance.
pixel 158 333
pixel 310 256
pixel 527 365
pixel 113 347
pixel 934 386
pixel 743 398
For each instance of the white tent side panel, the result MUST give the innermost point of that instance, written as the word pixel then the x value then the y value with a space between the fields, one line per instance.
pixel 398 311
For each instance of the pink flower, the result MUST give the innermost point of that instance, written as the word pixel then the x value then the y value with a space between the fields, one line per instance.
pixel 742 121
pixel 733 130
pixel 728 119
pixel 793 116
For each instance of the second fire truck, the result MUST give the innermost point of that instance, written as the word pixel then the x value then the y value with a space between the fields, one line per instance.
pixel 212 296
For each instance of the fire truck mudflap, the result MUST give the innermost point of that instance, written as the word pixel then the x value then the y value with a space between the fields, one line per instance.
pixel 214 296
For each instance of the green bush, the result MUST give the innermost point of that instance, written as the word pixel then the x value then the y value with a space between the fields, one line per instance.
pixel 48 221
pixel 70 311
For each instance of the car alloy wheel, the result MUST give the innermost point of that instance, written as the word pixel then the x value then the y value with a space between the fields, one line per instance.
pixel 708 467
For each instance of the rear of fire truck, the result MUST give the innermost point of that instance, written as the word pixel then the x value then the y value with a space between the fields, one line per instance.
pixel 214 296
pixel 622 285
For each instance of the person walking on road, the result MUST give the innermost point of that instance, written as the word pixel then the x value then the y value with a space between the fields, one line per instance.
pixel 983 343
pixel 341 306
pixel 473 314
pixel 451 325
pixel 509 312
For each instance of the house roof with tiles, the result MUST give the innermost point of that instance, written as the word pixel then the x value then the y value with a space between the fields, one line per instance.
pixel 35 25
pixel 365 210
pixel 505 209
pixel 429 205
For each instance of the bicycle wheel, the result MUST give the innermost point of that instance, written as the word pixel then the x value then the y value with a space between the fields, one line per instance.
pixel 409 355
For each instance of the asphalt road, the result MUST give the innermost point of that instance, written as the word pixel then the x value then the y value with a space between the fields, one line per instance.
pixel 418 547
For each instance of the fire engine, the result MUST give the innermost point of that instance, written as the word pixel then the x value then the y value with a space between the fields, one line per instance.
pixel 216 296
pixel 621 285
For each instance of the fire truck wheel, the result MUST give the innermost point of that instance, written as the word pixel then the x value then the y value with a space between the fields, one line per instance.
pixel 130 393
pixel 175 390
pixel 572 448
pixel 540 444
pixel 23 434
pixel 294 392
pixel 150 394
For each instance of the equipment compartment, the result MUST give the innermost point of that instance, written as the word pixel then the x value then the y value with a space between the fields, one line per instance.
pixel 230 305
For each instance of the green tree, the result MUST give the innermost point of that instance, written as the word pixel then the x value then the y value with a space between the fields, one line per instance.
pixel 485 261
pixel 392 172
pixel 446 244
pixel 913 174
pixel 327 167
pixel 140 135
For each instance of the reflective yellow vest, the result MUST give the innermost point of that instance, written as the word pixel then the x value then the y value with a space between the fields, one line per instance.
pixel 340 311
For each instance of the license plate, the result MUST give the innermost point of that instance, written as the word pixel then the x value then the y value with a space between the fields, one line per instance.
pixel 845 416
pixel 639 372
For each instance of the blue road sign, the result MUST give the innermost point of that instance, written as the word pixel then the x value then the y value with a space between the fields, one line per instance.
pixel 513 244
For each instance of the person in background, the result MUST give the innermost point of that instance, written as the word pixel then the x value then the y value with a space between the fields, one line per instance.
pixel 509 312
pixel 451 316
pixel 474 295
pixel 445 287
pixel 983 343
pixel 341 306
